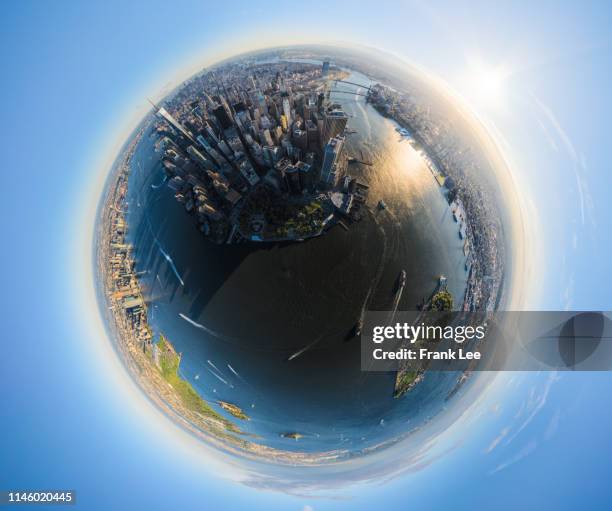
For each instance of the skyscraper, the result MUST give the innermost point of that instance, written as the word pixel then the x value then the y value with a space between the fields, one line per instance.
pixel 292 175
pixel 334 123
pixel 173 122
pixel 330 168
pixel 287 110
pixel 313 135
pixel 305 171
pixel 199 158
pixel 223 117
pixel 325 68
pixel 300 139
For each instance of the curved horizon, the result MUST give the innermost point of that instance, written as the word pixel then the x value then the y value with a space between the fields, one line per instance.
pixel 106 176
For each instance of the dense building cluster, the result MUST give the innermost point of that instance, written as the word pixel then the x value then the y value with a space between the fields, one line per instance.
pixel 255 151
pixel 121 280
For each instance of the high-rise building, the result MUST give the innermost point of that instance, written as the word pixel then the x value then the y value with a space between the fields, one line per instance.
pixel 223 117
pixel 212 134
pixel 173 122
pixel 247 171
pixel 334 123
pixel 320 100
pixel 325 68
pixel 330 168
pixel 292 175
pixel 309 158
pixel 309 108
pixel 313 135
pixel 281 167
pixel 278 134
pixel 216 158
pixel 225 149
pixel 257 153
pixel 305 171
pixel 264 123
pixel 287 147
pixel 271 155
pixel 287 110
pixel 235 144
pixel 273 110
pixel 300 139
pixel 267 137
pixel 199 158
pixel 261 101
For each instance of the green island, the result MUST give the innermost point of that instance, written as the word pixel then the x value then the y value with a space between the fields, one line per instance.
pixel 168 360
pixel 442 301
pixel 405 381
pixel 234 410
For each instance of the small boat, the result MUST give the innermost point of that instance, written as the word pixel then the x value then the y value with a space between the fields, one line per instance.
pixel 442 282
pixel 381 204
pixel 292 435
pixel 358 327
pixel 401 280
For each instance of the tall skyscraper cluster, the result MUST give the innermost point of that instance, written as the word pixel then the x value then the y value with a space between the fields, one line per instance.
pixel 233 128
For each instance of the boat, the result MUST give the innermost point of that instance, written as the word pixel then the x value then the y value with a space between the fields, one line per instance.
pixel 382 204
pixel 358 327
pixel 401 280
pixel 292 435
pixel 442 283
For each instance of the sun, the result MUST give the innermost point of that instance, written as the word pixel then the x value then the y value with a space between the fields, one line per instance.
pixel 486 83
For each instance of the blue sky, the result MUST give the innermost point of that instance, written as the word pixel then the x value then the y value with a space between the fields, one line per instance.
pixel 74 73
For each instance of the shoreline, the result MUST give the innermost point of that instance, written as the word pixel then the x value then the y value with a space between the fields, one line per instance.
pixel 472 292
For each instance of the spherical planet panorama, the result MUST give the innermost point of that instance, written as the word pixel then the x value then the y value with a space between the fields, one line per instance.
pixel 260 211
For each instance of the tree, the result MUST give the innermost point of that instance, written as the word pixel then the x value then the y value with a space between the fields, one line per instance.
pixel 442 301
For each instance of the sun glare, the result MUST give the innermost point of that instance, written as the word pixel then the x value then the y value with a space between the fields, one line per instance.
pixel 486 83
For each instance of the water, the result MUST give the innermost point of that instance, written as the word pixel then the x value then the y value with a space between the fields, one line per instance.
pixel 257 307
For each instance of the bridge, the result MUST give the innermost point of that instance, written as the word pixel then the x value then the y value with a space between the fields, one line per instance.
pixel 368 88
pixel 347 92
pixel 353 83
